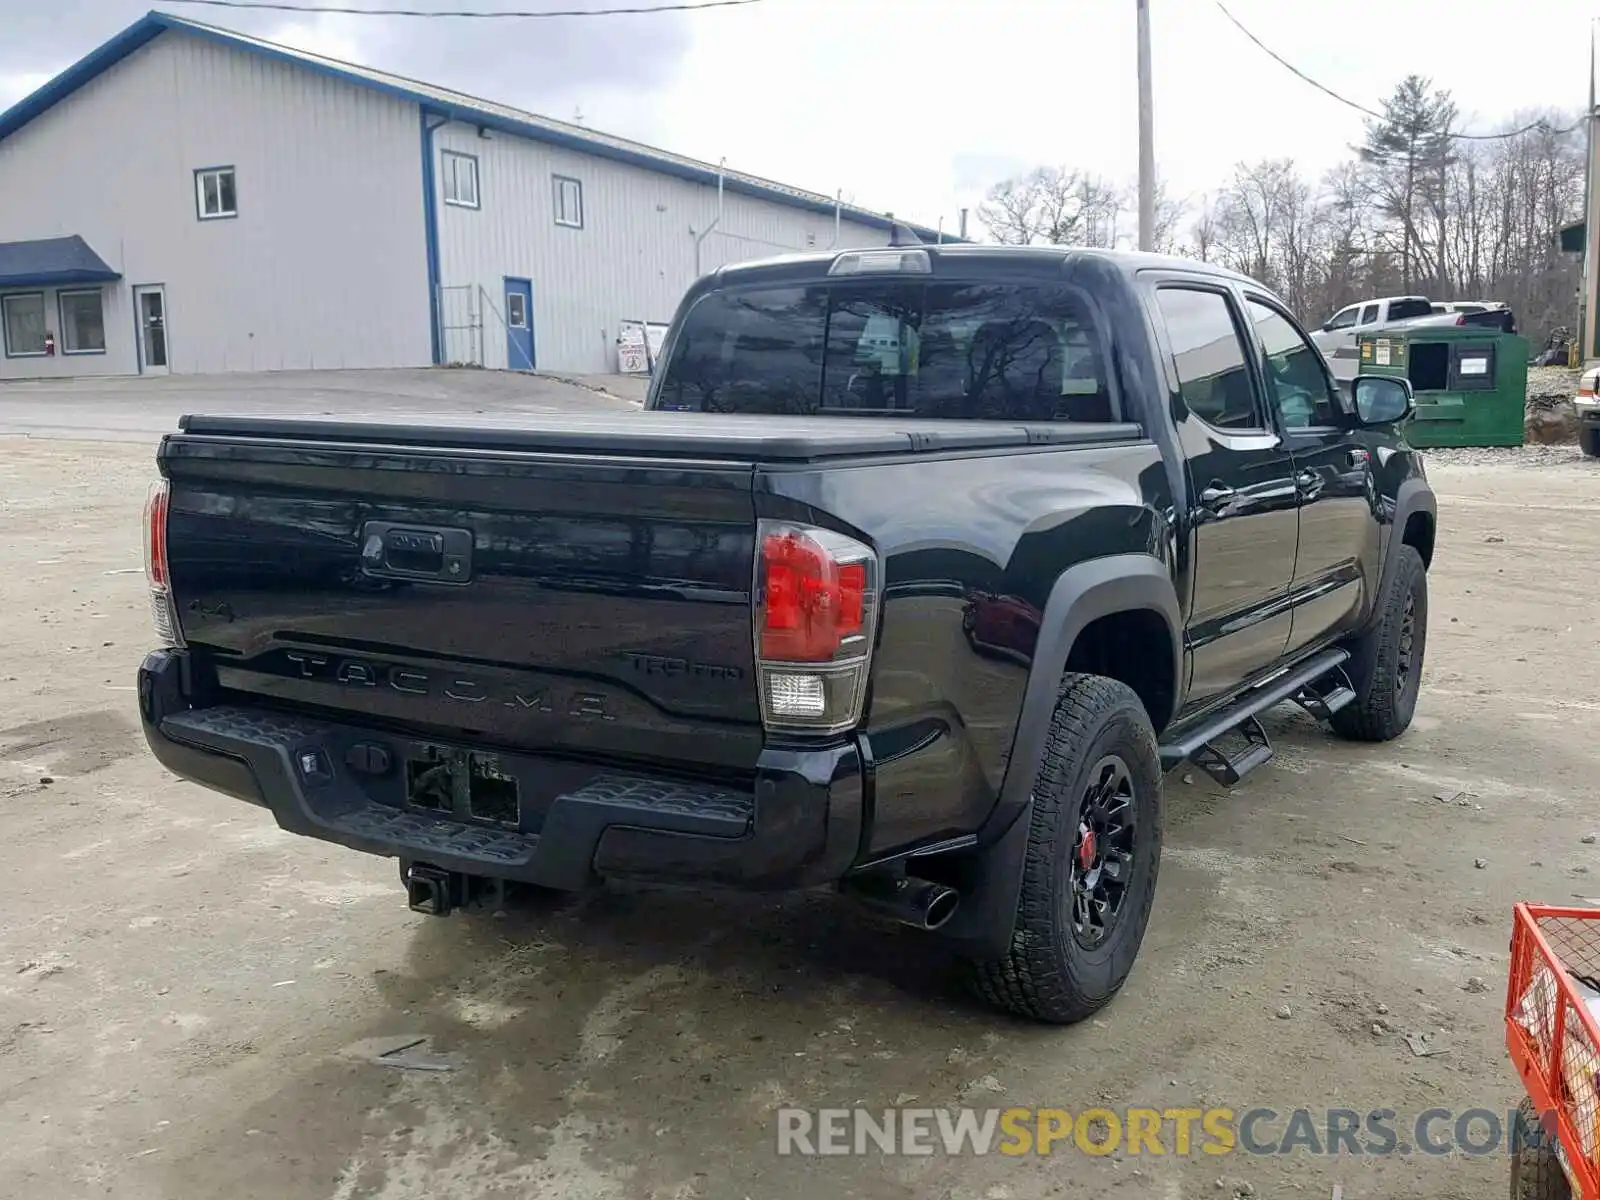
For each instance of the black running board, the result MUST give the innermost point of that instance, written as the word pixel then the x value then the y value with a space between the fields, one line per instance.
pixel 1326 696
pixel 1313 685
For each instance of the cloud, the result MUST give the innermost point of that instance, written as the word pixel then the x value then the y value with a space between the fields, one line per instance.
pixel 549 66
pixel 325 34
pixel 978 170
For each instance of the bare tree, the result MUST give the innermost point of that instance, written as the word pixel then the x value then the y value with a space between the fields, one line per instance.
pixel 1057 206
pixel 1251 217
pixel 1042 207
pixel 1203 231
pixel 1416 208
pixel 1101 205
pixel 1170 211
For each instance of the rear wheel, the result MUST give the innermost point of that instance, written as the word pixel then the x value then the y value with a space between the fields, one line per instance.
pixel 1386 666
pixel 1094 850
pixel 1589 441
pixel 1536 1173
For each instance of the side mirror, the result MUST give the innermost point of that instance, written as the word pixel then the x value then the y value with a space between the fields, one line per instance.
pixel 1382 399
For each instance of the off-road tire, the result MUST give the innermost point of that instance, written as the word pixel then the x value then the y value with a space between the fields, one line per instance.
pixel 1047 975
pixel 1382 710
pixel 1536 1173
pixel 1589 441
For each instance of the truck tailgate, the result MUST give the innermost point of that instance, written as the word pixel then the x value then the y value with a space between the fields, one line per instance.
pixel 554 602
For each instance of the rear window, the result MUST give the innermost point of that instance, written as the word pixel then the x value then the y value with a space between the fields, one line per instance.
pixel 1002 352
pixel 1404 310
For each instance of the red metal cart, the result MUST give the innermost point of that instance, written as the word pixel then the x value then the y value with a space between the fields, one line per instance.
pixel 1553 1034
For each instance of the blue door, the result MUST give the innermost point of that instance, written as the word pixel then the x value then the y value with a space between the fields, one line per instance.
pixel 519 324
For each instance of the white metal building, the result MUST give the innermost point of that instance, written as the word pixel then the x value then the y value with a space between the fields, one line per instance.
pixel 190 199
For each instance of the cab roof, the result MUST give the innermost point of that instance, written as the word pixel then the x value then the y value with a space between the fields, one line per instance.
pixel 1030 259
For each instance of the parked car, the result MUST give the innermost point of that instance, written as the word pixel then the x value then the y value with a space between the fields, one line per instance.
pixel 1587 402
pixel 1337 337
pixel 1105 511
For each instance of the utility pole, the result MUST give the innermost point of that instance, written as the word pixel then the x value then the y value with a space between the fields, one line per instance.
pixel 1147 149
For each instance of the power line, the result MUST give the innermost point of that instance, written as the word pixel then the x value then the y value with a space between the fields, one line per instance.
pixel 1377 116
pixel 484 14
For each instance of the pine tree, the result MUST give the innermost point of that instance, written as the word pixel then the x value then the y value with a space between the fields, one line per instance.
pixel 1408 156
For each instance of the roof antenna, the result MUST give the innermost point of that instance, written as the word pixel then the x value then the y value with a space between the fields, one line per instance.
pixel 903 235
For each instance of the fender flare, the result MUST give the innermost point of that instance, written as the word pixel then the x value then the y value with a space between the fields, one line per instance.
pixel 1413 496
pixel 982 925
pixel 1083 594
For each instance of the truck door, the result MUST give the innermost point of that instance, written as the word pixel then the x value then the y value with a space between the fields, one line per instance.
pixel 1241 491
pixel 1337 337
pixel 1337 562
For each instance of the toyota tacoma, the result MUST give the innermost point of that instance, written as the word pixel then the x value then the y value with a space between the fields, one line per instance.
pixel 920 568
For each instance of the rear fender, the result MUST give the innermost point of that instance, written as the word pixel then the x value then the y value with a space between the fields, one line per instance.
pixel 982 925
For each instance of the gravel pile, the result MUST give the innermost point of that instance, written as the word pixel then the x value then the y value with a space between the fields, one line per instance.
pixel 1552 382
pixel 1530 457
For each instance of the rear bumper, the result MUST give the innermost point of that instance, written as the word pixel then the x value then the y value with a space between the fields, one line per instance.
pixel 799 825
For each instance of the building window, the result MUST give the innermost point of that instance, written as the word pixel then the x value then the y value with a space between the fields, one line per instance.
pixel 24 323
pixel 83 322
pixel 569 202
pixel 215 195
pixel 460 173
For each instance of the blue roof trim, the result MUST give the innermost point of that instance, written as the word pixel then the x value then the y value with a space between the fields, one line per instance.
pixel 153 24
pixel 85 70
pixel 50 262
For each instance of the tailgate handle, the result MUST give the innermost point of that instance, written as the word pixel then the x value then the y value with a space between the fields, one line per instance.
pixel 395 551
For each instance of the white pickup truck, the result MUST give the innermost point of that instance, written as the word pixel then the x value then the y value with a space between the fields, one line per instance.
pixel 1337 337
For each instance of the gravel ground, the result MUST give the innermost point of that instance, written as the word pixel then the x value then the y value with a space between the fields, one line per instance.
pixel 1513 458
pixel 186 992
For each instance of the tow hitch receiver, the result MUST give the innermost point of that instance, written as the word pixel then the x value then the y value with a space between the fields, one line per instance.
pixel 430 890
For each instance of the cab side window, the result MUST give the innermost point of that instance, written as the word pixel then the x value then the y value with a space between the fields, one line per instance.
pixel 1297 380
pixel 1213 371
pixel 1343 319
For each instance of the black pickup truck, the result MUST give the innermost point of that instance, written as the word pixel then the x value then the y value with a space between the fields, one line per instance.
pixel 920 568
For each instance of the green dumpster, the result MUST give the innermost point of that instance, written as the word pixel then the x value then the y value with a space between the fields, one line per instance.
pixel 1471 383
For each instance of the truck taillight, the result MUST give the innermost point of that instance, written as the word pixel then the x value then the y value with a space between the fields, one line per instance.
pixel 815 615
pixel 162 610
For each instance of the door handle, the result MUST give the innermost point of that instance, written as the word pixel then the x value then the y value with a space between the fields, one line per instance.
pixel 1216 494
pixel 393 551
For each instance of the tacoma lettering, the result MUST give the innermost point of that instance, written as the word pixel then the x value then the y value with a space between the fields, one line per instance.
pixel 365 673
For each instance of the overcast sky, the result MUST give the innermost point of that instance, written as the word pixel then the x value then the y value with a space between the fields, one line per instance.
pixel 917 106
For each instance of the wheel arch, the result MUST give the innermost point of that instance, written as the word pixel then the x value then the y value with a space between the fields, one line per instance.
pixel 1416 518
pixel 1089 592
pixel 1083 598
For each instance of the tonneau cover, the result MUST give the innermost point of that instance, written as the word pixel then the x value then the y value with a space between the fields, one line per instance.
pixel 742 437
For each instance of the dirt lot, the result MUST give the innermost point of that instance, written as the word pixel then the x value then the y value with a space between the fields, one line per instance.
pixel 181 984
pixel 135 409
